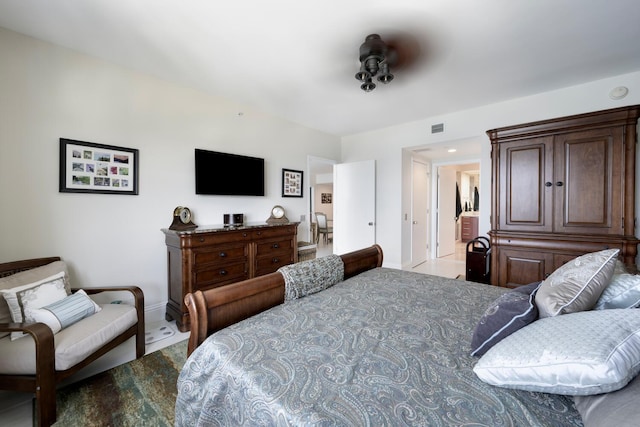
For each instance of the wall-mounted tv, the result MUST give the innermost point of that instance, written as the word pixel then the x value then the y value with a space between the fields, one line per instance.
pixel 228 174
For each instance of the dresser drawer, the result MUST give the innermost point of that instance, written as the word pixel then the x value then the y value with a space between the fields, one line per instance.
pixel 219 254
pixel 220 275
pixel 222 236
pixel 266 265
pixel 268 232
pixel 274 247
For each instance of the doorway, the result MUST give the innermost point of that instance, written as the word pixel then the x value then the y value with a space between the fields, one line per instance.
pixel 462 200
pixel 320 173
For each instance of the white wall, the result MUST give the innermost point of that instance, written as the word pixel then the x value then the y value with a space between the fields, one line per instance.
pixel 326 208
pixel 48 92
pixel 386 145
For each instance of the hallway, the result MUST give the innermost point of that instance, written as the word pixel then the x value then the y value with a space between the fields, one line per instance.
pixel 450 266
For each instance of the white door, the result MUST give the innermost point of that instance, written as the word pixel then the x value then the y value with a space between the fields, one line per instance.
pixel 354 206
pixel 419 213
pixel 446 211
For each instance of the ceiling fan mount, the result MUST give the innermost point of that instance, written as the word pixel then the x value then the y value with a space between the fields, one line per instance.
pixel 374 58
pixel 378 57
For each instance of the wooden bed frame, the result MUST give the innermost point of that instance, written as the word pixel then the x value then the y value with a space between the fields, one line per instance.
pixel 217 308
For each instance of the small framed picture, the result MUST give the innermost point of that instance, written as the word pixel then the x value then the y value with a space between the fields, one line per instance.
pixel 325 198
pixel 291 183
pixel 86 167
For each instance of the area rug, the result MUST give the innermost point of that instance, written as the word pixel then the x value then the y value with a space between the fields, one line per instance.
pixel 139 393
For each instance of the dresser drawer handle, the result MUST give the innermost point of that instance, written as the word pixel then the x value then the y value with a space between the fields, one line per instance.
pixel 223 272
pixel 275 260
pixel 275 246
pixel 223 254
pixel 201 239
pixel 244 234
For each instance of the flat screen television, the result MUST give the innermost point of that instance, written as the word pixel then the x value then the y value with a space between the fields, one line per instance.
pixel 228 174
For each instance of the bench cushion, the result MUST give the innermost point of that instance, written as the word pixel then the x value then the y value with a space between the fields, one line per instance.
pixel 73 344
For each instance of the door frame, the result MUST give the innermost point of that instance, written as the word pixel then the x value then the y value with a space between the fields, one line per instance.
pixel 434 198
pixel 424 218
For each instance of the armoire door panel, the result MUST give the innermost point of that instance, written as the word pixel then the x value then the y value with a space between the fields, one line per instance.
pixel 525 199
pixel 587 186
pixel 520 267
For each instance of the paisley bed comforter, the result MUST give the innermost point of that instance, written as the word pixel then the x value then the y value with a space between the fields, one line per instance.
pixel 384 348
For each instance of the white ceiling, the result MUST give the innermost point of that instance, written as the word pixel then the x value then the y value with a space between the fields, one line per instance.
pixel 297 59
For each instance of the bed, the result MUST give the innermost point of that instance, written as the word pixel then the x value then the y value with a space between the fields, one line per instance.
pixel 382 347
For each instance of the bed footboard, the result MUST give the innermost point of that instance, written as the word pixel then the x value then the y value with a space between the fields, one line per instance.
pixel 217 308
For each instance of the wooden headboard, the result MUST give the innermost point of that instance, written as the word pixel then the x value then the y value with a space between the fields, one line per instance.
pixel 217 308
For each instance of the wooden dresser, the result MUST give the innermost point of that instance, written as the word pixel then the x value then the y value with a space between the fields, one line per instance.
pixel 562 188
pixel 468 227
pixel 208 257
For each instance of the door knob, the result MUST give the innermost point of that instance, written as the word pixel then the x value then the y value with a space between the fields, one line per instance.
pixel 415 222
pixel 371 223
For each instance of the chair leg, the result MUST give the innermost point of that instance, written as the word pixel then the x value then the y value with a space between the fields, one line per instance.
pixel 45 402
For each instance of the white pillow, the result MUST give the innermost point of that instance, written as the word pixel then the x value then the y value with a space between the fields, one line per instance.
pixel 622 292
pixel 33 295
pixel 589 352
pixel 26 277
pixel 65 312
pixel 577 285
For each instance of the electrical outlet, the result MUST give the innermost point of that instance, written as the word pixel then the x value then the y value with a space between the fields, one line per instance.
pixel 303 218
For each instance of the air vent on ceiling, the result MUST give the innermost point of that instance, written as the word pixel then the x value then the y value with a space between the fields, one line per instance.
pixel 437 128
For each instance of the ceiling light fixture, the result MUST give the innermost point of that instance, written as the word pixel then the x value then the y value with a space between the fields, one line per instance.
pixel 374 58
pixel 618 92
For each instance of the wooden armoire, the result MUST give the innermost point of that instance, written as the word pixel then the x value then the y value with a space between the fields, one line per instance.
pixel 562 188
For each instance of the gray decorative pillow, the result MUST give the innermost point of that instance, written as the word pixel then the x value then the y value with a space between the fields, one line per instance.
pixel 622 292
pixel 508 313
pixel 308 277
pixel 577 285
pixel 585 353
pixel 618 408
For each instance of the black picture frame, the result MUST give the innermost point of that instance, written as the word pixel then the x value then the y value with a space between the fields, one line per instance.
pixel 87 167
pixel 292 183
